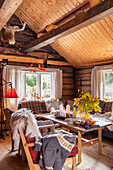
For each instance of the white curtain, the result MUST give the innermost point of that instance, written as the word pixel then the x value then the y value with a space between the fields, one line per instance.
pixel 98 80
pixel 57 89
pixel 12 74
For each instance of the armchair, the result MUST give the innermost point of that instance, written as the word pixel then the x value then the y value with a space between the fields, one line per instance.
pixel 27 144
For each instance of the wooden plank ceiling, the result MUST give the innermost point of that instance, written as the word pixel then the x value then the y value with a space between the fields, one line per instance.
pixel 39 13
pixel 90 45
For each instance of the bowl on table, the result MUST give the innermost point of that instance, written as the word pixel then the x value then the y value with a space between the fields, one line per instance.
pixel 70 121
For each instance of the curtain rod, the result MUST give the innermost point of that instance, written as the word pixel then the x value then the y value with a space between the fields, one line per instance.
pixel 26 69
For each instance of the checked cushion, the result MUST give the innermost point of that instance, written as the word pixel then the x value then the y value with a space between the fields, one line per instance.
pixel 36 106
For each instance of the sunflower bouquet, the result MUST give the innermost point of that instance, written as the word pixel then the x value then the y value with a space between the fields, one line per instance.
pixel 86 103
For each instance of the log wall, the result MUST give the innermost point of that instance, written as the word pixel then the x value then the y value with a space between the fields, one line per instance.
pixel 83 80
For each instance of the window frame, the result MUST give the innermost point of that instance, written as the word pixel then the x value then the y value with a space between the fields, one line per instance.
pixel 38 83
pixel 106 71
pixel 41 83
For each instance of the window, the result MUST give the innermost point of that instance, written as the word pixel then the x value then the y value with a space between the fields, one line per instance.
pixel 108 84
pixel 46 85
pixel 37 85
pixel 31 85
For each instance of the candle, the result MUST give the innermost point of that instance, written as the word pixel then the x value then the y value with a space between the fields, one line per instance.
pixel 61 107
pixel 68 108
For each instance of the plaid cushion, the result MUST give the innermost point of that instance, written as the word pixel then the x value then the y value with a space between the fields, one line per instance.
pixel 36 106
pixel 108 106
pixel 34 154
pixel 105 107
pixel 102 106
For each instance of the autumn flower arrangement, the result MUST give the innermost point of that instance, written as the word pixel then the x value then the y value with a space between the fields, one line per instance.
pixel 86 103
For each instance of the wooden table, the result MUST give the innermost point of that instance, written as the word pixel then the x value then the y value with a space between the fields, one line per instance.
pixel 80 130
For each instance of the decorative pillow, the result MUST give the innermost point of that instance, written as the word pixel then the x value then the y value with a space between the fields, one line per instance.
pixel 108 106
pixel 102 106
pixel 70 102
pixel 36 106
pixel 52 103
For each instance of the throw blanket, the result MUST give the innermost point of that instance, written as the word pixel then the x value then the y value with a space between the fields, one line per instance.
pixel 21 119
pixel 108 116
pixel 54 151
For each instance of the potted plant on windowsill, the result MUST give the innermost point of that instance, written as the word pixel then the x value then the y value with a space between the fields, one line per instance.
pixel 86 103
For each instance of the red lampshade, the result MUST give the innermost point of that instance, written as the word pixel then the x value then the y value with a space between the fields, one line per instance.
pixel 11 93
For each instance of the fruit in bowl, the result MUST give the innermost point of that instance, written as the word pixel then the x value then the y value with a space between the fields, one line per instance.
pixel 88 122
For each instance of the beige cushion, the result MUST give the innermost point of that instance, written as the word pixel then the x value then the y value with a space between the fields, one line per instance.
pixel 52 103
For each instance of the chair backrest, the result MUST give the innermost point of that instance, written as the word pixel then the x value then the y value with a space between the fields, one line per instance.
pixel 28 146
pixel 8 117
pixel 8 112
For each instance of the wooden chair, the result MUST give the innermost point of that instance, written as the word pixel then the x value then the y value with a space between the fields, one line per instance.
pixel 24 146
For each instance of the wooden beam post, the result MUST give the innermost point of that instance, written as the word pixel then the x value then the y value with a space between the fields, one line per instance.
pixel 7 10
pixel 82 20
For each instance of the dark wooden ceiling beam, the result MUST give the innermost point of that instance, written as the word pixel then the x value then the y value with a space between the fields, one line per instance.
pixel 94 14
pixel 7 10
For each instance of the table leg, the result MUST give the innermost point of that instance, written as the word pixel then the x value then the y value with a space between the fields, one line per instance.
pixel 79 147
pixel 99 141
pixel 112 110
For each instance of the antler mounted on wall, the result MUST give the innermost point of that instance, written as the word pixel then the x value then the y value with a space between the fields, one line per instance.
pixel 7 34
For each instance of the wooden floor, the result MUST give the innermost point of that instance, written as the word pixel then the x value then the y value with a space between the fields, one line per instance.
pixel 90 158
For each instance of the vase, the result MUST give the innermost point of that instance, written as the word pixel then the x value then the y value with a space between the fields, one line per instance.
pixel 84 113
